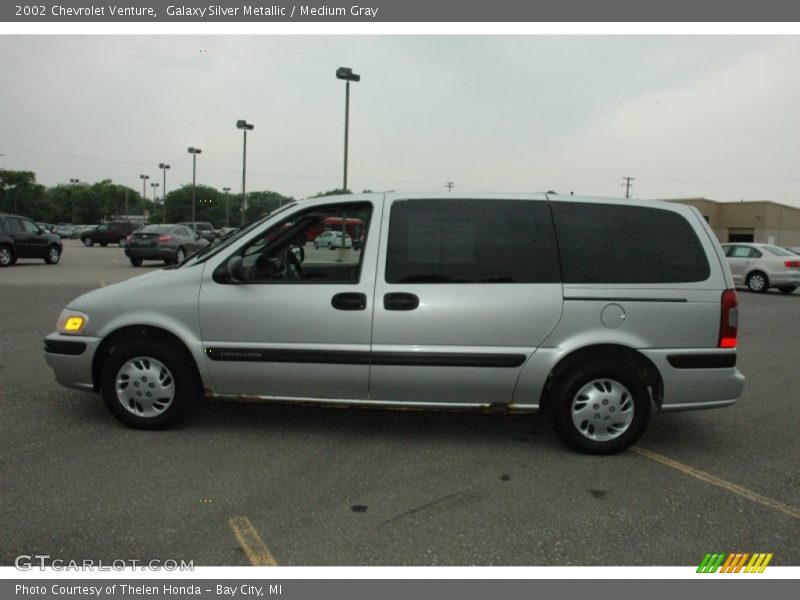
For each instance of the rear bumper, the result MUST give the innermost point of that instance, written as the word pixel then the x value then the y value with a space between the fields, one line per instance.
pixel 151 253
pixel 693 379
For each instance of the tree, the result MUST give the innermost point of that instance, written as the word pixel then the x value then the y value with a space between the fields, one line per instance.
pixel 20 194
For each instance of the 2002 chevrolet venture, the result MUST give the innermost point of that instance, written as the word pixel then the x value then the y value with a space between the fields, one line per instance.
pixel 595 310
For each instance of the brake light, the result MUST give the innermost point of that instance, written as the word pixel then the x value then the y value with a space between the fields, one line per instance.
pixel 729 319
pixel 792 264
pixel 164 238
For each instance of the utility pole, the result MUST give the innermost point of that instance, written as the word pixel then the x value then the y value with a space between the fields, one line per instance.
pixel 627 186
pixel 449 185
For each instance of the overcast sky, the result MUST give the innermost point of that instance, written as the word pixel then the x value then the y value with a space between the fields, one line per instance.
pixel 713 116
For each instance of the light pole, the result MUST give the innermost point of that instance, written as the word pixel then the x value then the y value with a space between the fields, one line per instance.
pixel 245 127
pixel 73 182
pixel 155 203
pixel 347 74
pixel 194 152
pixel 144 179
pixel 227 202
pixel 164 167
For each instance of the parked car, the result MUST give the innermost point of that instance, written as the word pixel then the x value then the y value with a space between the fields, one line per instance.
pixel 20 237
pixel 48 227
pixel 202 228
pixel 108 233
pixel 763 266
pixel 170 243
pixel 65 230
pixel 592 310
pixel 333 239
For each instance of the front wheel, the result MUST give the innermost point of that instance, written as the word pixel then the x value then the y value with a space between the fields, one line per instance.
pixel 88 242
pixel 136 261
pixel 149 383
pixel 53 255
pixel 600 407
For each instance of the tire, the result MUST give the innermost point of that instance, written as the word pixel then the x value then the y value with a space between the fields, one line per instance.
pixel 316 245
pixel 180 256
pixel 330 245
pixel 150 365
pixel 757 282
pixel 600 407
pixel 7 257
pixel 53 255
pixel 88 242
pixel 136 261
pixel 787 289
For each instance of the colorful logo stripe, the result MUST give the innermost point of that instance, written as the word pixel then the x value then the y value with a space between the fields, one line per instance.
pixel 734 562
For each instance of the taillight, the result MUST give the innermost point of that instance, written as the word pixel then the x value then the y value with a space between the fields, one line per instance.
pixel 792 264
pixel 729 319
pixel 164 238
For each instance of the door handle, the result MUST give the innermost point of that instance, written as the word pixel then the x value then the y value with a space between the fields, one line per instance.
pixel 349 301
pixel 400 301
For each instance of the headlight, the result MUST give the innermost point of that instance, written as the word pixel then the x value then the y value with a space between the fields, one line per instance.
pixel 71 322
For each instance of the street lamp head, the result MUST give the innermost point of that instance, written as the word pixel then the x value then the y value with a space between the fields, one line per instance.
pixel 242 124
pixel 347 74
pixel 163 166
pixel 144 176
pixel 194 151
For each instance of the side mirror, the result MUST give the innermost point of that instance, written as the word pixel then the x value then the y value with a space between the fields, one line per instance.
pixel 236 269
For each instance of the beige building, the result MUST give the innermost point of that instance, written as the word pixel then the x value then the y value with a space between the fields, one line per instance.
pixel 753 221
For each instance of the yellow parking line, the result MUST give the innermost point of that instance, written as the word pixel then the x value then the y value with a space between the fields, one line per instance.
pixel 102 282
pixel 721 483
pixel 114 260
pixel 251 543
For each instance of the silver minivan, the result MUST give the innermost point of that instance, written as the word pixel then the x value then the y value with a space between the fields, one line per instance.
pixel 594 310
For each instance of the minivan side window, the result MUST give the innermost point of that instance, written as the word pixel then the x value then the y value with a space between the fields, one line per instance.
pixel 471 241
pixel 609 243
pixel 286 252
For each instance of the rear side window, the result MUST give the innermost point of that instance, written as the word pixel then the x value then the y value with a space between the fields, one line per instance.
pixel 605 243
pixel 471 241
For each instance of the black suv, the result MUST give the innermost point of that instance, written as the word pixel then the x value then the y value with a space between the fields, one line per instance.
pixel 20 237
pixel 109 233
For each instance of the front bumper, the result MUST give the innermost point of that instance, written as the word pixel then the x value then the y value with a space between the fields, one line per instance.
pixel 70 357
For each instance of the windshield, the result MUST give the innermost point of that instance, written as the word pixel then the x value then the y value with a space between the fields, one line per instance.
pixel 204 254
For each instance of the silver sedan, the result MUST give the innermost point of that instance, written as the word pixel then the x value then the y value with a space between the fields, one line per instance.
pixel 763 266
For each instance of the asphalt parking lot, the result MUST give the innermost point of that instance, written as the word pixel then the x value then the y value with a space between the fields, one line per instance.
pixel 360 487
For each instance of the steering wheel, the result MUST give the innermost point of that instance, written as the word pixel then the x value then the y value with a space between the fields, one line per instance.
pixel 291 264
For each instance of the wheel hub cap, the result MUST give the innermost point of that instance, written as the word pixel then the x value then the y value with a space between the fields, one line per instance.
pixel 602 410
pixel 145 387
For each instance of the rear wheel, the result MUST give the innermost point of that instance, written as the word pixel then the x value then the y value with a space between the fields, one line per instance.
pixel 150 383
pixel 136 261
pixel 757 282
pixel 88 242
pixel 6 256
pixel 787 289
pixel 600 407
pixel 53 254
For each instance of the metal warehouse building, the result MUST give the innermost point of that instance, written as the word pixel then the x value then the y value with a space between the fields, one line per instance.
pixel 753 221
